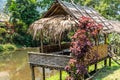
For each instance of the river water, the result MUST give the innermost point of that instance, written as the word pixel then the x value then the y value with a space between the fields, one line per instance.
pixel 14 66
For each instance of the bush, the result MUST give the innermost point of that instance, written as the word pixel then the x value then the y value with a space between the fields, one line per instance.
pixel 2 30
pixel 1 48
pixel 9 47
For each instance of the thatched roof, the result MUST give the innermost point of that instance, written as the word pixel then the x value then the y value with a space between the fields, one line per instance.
pixel 54 25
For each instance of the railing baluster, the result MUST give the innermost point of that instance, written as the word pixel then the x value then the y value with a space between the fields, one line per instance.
pixel 60 74
pixel 43 73
pixel 32 71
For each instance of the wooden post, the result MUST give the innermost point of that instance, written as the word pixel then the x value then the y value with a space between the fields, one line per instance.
pixel 105 62
pixel 109 61
pixel 105 35
pixel 32 72
pixel 41 41
pixel 60 41
pixel 60 74
pixel 96 44
pixel 43 73
pixel 95 67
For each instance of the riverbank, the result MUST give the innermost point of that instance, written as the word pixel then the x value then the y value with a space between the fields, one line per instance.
pixel 13 47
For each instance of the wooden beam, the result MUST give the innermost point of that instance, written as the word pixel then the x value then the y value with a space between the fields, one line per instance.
pixel 105 62
pixel 43 73
pixel 95 67
pixel 109 61
pixel 57 8
pixel 32 72
pixel 41 41
pixel 105 35
pixel 60 74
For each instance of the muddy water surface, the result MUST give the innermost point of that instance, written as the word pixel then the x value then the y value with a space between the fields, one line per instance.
pixel 14 66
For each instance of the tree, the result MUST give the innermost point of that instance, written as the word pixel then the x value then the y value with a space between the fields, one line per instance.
pixel 22 10
pixel 22 14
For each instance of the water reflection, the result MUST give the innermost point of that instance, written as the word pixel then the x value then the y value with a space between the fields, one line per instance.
pixel 14 66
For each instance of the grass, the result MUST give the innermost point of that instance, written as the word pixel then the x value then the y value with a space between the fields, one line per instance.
pixel 56 77
pixel 106 73
pixel 109 73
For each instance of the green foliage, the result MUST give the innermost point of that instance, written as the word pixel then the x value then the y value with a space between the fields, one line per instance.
pixel 2 31
pixel 1 48
pixel 22 10
pixel 22 14
pixel 114 39
pixel 107 8
pixel 57 77
pixel 21 28
pixel 9 47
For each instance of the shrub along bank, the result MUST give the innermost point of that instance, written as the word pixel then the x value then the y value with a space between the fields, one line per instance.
pixel 7 47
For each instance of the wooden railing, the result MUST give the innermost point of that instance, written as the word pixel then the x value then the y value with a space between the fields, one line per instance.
pixel 58 62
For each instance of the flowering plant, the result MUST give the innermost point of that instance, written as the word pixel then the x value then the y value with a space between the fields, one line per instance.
pixel 80 45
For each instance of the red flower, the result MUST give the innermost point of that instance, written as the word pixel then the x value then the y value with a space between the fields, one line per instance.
pixel 72 61
pixel 67 68
pixel 69 78
pixel 80 45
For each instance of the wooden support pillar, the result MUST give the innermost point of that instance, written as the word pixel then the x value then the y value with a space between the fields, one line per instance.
pixel 109 61
pixel 32 72
pixel 95 67
pixel 105 35
pixel 43 73
pixel 105 62
pixel 59 41
pixel 106 39
pixel 41 41
pixel 60 74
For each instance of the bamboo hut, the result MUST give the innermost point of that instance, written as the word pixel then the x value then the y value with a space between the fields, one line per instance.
pixel 63 16
pixel 60 17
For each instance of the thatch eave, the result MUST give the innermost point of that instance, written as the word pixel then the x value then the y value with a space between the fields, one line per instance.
pixel 116 25
pixel 53 27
